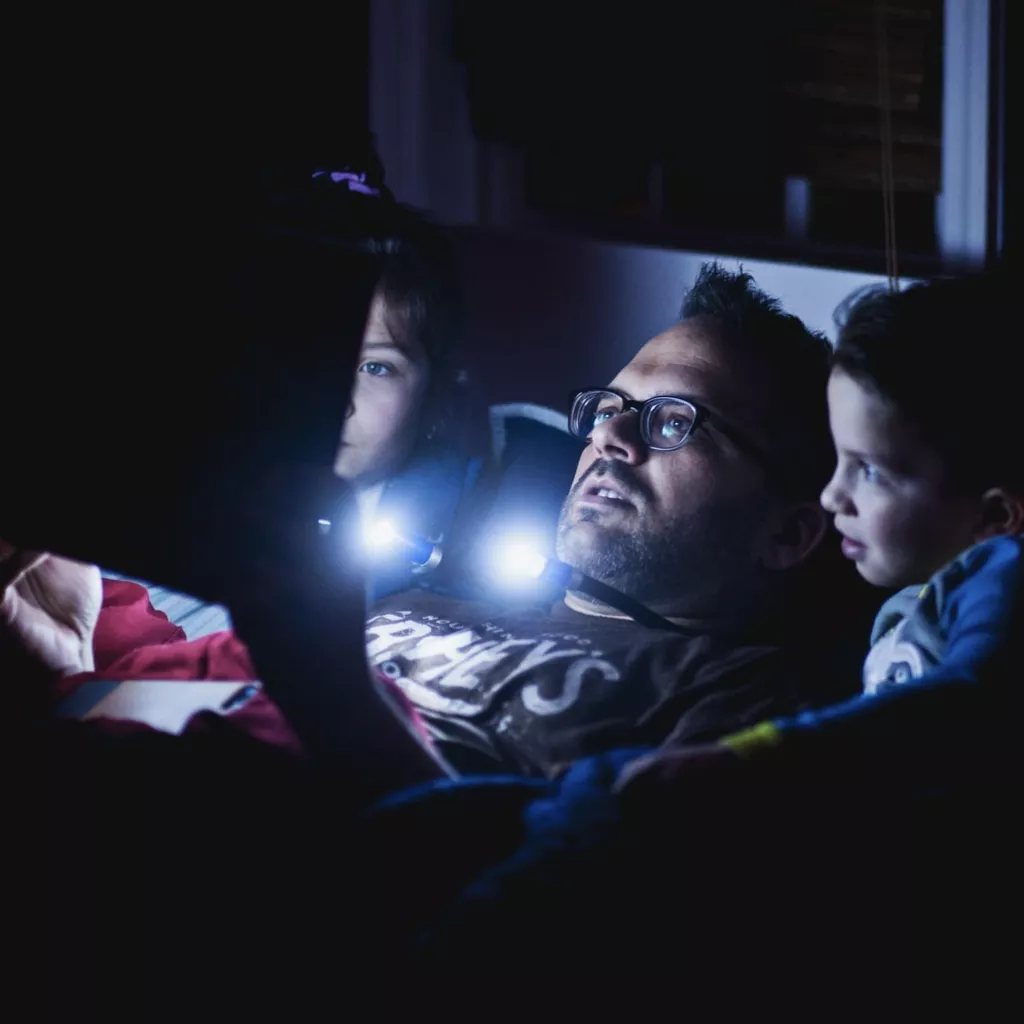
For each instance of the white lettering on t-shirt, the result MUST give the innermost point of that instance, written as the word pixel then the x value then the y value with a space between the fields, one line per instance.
pixel 446 650
pixel 468 672
pixel 574 675
pixel 384 630
pixel 429 665
pixel 546 651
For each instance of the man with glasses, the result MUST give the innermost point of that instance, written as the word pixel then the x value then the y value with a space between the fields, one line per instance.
pixel 696 496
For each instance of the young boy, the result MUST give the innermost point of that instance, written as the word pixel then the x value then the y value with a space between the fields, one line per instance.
pixel 924 415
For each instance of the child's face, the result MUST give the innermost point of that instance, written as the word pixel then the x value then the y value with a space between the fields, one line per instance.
pixel 383 420
pixel 900 519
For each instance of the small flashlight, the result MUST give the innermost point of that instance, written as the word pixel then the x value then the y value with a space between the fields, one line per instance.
pixel 515 563
pixel 383 537
pixel 520 562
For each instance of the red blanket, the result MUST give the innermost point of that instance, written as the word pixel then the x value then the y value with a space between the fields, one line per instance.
pixel 135 641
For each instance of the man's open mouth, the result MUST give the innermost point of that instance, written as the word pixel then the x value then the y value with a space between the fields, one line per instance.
pixel 606 493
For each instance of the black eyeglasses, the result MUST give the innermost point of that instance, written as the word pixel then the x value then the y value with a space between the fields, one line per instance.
pixel 667 422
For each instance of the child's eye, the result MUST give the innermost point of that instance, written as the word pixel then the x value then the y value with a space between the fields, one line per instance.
pixel 869 473
pixel 375 369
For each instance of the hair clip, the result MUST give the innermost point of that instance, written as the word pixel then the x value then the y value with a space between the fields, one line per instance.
pixel 355 182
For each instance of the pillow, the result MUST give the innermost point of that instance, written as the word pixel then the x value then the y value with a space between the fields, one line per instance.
pixel 537 459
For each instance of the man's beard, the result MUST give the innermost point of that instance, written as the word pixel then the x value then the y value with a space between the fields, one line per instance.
pixel 683 562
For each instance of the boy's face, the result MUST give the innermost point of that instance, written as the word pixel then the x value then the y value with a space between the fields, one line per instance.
pixel 890 496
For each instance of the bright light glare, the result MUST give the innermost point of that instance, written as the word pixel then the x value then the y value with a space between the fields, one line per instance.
pixel 518 562
pixel 381 534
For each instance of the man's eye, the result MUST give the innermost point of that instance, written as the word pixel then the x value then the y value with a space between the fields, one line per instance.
pixel 675 428
pixel 603 415
pixel 375 369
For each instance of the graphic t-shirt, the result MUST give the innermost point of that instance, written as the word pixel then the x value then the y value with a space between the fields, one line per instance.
pixel 530 691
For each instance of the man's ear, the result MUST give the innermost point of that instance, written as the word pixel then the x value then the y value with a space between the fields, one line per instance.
pixel 1002 515
pixel 797 532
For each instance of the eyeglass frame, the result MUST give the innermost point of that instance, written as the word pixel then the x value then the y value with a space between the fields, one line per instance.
pixel 701 415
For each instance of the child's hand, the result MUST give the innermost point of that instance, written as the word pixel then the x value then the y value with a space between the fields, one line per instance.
pixel 48 610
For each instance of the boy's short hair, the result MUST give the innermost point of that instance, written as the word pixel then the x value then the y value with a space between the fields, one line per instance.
pixel 942 354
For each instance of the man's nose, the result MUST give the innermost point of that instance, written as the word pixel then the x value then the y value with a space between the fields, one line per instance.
pixel 619 438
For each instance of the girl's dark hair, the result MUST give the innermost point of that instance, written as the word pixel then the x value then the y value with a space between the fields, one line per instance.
pixel 419 278
pixel 419 283
pixel 943 355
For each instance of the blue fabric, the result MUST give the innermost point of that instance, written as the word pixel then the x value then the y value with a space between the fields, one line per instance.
pixel 550 807
pixel 445 789
pixel 566 818
pixel 579 798
pixel 982 623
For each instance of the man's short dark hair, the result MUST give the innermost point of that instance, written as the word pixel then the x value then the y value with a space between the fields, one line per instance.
pixel 942 354
pixel 796 362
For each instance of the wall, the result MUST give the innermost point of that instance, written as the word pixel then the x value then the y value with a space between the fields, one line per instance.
pixel 547 316
pixel 420 114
